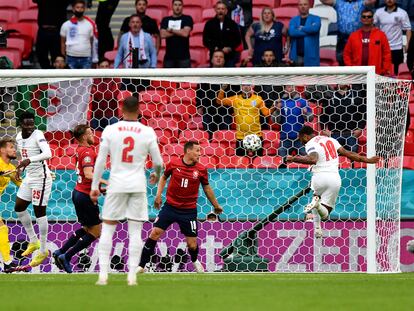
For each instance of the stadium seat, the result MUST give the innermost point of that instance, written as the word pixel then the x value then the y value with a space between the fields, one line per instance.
pixel 261 4
pixel 16 44
pixel 208 14
pixel 150 110
pixel 165 136
pixel 289 3
pixel 56 150
pixel 404 72
pixel 8 16
pixel 328 57
pixel 212 149
pixel 111 55
pixel 26 31
pixel 408 162
pixel 70 150
pixel 196 41
pixel 284 14
pixel 198 57
pixel 270 142
pixel 409 149
pixel 344 163
pixel 167 124
pixel 208 162
pixel 16 5
pixel 196 123
pixel 156 13
pixel 178 111
pixel 197 135
pixel 59 138
pixel 198 29
pixel 226 139
pixel 160 58
pixel 174 149
pixel 194 10
pixel 409 138
pixel 62 163
pixel 29 16
pixel 267 162
pixel 14 55
pixel 153 96
pixel 297 165
pixel 163 6
pixel 257 13
pixel 183 96
pixel 233 162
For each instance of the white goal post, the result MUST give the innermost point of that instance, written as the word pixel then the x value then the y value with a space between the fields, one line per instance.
pixel 386 100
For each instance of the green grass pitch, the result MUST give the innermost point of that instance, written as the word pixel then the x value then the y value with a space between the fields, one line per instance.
pixel 193 292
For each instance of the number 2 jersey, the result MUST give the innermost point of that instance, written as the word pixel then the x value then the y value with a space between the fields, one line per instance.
pixel 85 157
pixel 128 144
pixel 182 191
pixel 35 148
pixel 327 149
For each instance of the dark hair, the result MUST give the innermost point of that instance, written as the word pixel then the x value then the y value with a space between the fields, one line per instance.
pixel 268 50
pixel 135 15
pixel 136 2
pixel 5 140
pixel 366 10
pixel 79 131
pixel 190 144
pixel 306 130
pixel 103 59
pixel 75 2
pixel 221 2
pixel 130 104
pixel 220 51
pixel 172 2
pixel 26 115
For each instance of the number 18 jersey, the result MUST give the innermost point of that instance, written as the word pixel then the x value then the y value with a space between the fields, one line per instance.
pixel 128 144
pixel 327 149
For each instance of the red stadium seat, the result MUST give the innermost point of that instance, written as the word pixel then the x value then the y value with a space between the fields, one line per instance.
pixel 208 14
pixel 111 55
pixel 156 13
pixel 197 135
pixel 166 124
pixel 174 150
pixel 270 142
pixel 149 110
pixel 56 150
pixel 213 149
pixel 261 4
pixel 409 149
pixel 194 10
pixel 153 97
pixel 160 58
pixel 328 57
pixel 196 123
pixel 163 6
pixel 198 57
pixel 198 29
pixel 409 138
pixel 8 16
pixel 166 136
pixel 344 163
pixel 62 163
pixel 70 150
pixel 284 14
pixel 15 44
pixel 408 162
pixel 183 96
pixel 257 13
pixel 28 16
pixel 208 162
pixel 59 138
pixel 196 41
pixel 297 165
pixel 225 137
pixel 26 31
pixel 267 162
pixel 289 3
pixel 17 5
pixel 233 162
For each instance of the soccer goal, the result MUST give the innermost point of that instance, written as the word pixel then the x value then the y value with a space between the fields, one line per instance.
pixel 263 227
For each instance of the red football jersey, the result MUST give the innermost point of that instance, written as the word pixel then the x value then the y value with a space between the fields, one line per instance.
pixel 182 191
pixel 85 156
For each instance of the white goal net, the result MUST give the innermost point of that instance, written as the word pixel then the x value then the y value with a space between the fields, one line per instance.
pixel 263 227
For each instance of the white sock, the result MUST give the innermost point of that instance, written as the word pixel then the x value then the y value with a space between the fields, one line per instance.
pixel 105 247
pixel 26 221
pixel 316 219
pixel 322 211
pixel 43 229
pixel 135 245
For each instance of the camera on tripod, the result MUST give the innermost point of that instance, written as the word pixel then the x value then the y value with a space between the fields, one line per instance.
pixel 136 62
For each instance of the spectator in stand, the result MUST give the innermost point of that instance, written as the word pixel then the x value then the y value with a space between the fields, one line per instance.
pixel 348 12
pixel 222 33
pixel 393 20
pixel 410 57
pixel 106 9
pixel 304 32
pixel 136 48
pixel 214 117
pixel 344 116
pixel 60 63
pixel 104 103
pixel 291 113
pixel 176 30
pixel 268 35
pixel 51 15
pixel 79 40
pixel 407 5
pixel 149 25
pixel 369 46
pixel 241 11
pixel 247 107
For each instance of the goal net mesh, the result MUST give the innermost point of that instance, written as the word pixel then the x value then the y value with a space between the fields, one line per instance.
pixel 257 231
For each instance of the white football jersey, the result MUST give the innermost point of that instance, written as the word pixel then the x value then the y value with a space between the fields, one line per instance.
pixel 35 148
pixel 327 149
pixel 128 144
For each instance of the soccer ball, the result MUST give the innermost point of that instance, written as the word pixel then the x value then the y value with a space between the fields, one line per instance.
pixel 410 246
pixel 252 142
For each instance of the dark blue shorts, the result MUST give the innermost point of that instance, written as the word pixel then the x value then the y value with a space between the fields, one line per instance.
pixel 87 212
pixel 186 219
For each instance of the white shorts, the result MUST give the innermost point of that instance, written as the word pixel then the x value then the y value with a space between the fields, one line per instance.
pixel 36 191
pixel 119 206
pixel 327 186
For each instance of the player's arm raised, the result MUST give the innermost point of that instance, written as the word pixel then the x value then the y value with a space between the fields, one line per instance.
pixel 357 157
pixel 311 158
pixel 212 198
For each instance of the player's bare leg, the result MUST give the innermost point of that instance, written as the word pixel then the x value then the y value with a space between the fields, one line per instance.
pixel 41 220
pixel 134 251
pixel 193 250
pixel 26 221
pixel 104 250
pixel 149 248
pixel 322 212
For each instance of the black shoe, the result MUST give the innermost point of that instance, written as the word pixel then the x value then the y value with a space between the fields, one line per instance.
pixel 10 267
pixel 58 263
